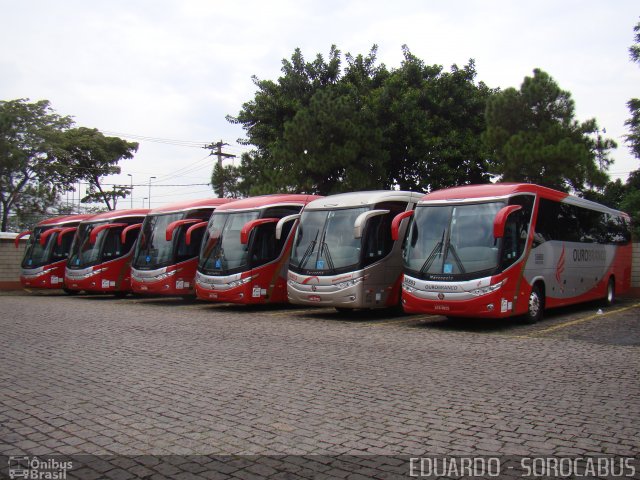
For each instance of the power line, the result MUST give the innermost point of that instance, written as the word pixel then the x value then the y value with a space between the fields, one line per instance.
pixel 166 141
pixel 218 146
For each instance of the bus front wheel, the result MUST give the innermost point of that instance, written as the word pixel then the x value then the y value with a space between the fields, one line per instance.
pixel 535 306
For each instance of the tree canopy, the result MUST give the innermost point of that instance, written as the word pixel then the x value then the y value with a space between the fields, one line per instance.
pixel 532 136
pixel 321 128
pixel 42 156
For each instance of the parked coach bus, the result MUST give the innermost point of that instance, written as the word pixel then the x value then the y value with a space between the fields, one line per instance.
pixel 47 250
pixel 343 254
pixel 100 258
pixel 512 249
pixel 241 260
pixel 166 254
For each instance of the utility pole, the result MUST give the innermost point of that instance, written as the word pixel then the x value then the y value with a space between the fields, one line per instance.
pixel 218 147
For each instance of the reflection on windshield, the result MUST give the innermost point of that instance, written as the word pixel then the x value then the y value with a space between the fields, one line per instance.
pixel 325 242
pixel 221 250
pixel 153 250
pixel 453 239
pixel 36 255
pixel 83 253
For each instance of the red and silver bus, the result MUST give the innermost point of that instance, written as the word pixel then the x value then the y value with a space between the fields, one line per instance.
pixel 47 250
pixel 343 255
pixel 241 260
pixel 100 257
pixel 166 254
pixel 501 250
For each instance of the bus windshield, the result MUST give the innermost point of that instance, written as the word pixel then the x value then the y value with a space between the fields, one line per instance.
pixel 325 241
pixel 453 240
pixel 152 249
pixel 83 252
pixel 38 255
pixel 221 252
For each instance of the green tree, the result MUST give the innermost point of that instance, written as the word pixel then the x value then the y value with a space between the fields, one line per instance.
pixel 320 129
pixel 42 156
pixel 532 136
pixel 432 122
pixel 28 166
pixel 227 176
pixel 88 155
pixel 275 104
pixel 633 138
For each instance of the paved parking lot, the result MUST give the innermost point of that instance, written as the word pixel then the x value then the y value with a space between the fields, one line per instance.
pixel 153 376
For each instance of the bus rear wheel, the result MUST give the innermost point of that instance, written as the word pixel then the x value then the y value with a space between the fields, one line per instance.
pixel 610 298
pixel 535 306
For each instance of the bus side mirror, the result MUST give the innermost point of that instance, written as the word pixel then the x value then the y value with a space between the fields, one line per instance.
pixel 178 223
pixel 16 241
pixel 187 237
pixel 282 221
pixel 395 223
pixel 93 236
pixel 123 235
pixel 47 233
pixel 63 232
pixel 501 219
pixel 361 221
pixel 249 226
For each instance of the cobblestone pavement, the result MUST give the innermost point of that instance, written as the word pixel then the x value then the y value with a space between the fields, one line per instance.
pixel 138 376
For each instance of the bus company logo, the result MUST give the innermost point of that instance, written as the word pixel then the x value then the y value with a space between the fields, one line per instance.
pixel 36 468
pixel 434 287
pixel 441 296
pixel 560 266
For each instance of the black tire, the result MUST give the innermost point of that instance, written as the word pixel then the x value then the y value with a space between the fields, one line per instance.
pixel 610 297
pixel 535 306
pixel 68 291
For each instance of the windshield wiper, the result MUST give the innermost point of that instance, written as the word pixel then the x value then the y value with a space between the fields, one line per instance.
pixel 436 250
pixel 327 255
pixel 309 251
pixel 455 256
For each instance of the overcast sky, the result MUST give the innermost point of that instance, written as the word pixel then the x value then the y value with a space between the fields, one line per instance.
pixel 173 69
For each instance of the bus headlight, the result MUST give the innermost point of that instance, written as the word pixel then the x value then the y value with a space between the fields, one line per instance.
pixel 242 281
pixel 350 283
pixel 478 292
pixel 165 275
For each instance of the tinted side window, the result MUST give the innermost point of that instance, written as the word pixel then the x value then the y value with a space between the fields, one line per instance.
pixel 377 242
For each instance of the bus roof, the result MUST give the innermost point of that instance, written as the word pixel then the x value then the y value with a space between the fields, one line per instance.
pixel 191 205
pixel 264 201
pixel 357 199
pixel 500 190
pixel 117 214
pixel 64 220
pixel 492 190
